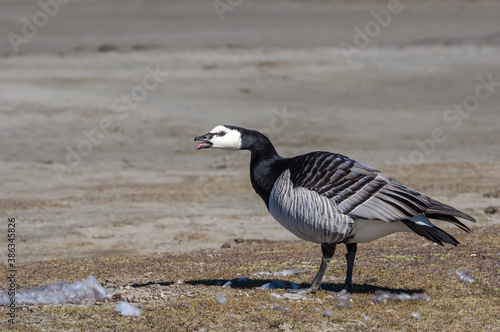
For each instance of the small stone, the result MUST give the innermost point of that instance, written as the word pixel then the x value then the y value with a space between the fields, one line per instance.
pixel 328 313
pixel 490 210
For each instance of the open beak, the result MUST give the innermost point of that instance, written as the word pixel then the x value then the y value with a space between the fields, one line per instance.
pixel 205 144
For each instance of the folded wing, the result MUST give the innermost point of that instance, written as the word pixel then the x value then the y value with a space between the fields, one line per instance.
pixel 362 191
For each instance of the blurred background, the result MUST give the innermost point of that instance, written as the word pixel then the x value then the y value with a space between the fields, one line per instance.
pixel 100 102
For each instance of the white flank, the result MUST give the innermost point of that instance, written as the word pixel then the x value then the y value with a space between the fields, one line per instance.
pixel 369 230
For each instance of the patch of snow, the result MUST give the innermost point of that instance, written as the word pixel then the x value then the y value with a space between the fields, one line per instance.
pixel 261 307
pixel 344 300
pixel 383 296
pixel 328 313
pixel 221 299
pixel 279 307
pixel 283 273
pixel 464 275
pixel 289 296
pixel 127 309
pixel 78 292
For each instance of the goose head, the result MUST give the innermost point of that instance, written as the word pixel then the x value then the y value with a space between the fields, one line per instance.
pixel 221 137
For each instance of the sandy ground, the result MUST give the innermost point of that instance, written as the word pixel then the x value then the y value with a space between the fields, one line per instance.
pixel 140 187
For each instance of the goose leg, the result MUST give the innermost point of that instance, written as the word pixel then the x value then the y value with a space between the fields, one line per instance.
pixel 350 256
pixel 328 249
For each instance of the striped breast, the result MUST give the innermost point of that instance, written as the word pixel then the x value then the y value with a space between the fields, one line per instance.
pixel 307 214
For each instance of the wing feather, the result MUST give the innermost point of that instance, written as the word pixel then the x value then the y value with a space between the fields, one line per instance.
pixel 361 191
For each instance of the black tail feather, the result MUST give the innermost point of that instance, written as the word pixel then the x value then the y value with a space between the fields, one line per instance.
pixel 434 234
pixel 438 208
pixel 448 218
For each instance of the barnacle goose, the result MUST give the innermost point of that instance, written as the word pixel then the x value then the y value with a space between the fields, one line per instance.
pixel 329 198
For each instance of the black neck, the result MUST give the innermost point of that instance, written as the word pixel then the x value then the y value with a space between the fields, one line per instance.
pixel 266 164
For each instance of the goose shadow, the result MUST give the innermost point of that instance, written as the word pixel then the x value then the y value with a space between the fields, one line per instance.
pixel 247 283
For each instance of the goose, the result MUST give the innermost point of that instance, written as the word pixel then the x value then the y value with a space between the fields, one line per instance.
pixel 328 198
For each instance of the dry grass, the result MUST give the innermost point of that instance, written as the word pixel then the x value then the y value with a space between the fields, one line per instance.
pixel 403 263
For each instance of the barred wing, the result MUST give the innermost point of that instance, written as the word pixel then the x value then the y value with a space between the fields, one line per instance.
pixel 362 191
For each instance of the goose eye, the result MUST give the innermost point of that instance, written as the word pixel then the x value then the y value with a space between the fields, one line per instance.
pixel 222 133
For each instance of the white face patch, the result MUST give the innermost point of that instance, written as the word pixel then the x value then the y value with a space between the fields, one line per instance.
pixel 225 138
